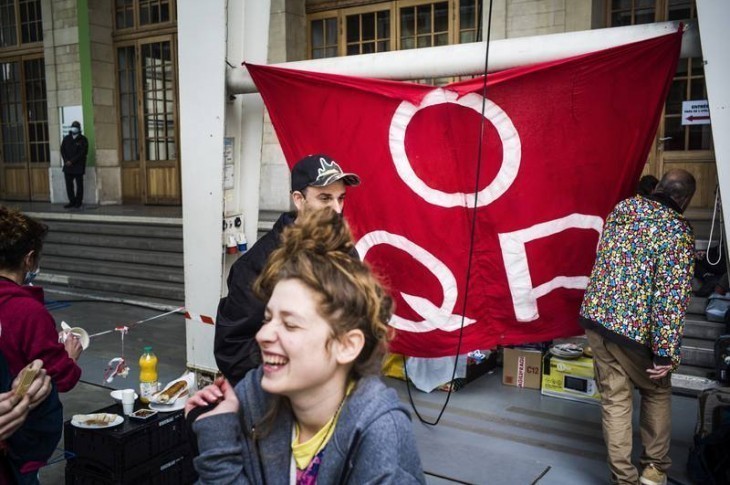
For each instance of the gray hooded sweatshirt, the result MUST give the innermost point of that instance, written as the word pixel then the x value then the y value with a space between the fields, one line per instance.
pixel 373 441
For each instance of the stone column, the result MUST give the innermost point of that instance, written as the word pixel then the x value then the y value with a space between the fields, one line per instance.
pixel 103 93
pixel 79 61
pixel 287 42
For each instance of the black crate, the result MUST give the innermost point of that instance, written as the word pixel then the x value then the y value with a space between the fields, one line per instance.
pixel 128 445
pixel 174 467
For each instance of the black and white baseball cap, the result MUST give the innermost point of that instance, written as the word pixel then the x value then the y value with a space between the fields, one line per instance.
pixel 319 171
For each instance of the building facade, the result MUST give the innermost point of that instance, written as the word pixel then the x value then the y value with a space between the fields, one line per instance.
pixel 350 27
pixel 113 63
pixel 109 64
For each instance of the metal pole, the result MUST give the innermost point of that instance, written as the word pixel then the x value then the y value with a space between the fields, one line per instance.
pixel 713 16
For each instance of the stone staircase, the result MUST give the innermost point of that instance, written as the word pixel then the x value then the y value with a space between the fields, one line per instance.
pixel 125 260
pixel 697 371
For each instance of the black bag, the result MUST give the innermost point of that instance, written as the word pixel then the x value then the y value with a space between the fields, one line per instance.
pixel 722 359
pixel 709 457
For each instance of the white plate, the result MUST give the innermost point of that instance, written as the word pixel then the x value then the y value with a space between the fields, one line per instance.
pixel 117 395
pixel 567 351
pixel 82 424
pixel 168 408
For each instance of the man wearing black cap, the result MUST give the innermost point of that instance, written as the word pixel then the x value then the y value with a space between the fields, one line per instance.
pixel 74 148
pixel 317 181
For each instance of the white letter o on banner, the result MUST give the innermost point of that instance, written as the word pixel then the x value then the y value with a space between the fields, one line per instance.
pixel 511 149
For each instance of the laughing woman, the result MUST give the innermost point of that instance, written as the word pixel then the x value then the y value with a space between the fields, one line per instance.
pixel 314 412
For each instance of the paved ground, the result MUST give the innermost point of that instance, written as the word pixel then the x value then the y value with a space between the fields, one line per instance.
pixel 489 434
pixel 166 335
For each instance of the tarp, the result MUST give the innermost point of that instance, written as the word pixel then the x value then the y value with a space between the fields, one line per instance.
pixel 506 241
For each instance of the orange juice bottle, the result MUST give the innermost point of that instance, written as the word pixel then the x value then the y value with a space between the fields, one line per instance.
pixel 147 375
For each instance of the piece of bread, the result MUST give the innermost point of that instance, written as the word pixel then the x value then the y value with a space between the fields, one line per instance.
pixel 26 377
pixel 97 419
pixel 171 392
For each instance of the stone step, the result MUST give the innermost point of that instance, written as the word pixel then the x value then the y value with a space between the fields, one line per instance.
pixel 113 229
pixel 700 328
pixel 687 384
pixel 690 370
pixel 698 353
pixel 697 306
pixel 141 243
pixel 63 265
pixel 174 259
pixel 130 286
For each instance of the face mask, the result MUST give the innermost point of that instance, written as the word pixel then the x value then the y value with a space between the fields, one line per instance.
pixel 30 276
pixel 73 130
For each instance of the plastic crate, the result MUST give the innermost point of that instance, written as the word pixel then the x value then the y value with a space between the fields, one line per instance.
pixel 132 443
pixel 174 467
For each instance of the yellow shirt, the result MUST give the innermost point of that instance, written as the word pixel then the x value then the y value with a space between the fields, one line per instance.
pixel 303 453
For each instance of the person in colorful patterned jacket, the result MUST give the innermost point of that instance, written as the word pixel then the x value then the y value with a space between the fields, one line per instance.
pixel 633 313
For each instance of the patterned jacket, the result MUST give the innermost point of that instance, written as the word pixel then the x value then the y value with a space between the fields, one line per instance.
pixel 639 288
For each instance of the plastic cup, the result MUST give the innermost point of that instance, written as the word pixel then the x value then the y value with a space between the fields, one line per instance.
pixel 128 401
pixel 79 332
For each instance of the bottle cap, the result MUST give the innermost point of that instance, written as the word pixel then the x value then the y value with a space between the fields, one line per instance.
pixel 148 348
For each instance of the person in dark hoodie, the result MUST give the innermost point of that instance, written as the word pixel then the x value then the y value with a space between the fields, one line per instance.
pixel 29 333
pixel 74 148
pixel 317 181
pixel 633 313
pixel 315 410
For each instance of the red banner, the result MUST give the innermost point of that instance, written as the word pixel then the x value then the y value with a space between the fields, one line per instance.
pixel 562 142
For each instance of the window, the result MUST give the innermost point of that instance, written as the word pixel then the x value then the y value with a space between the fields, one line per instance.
pixel 631 12
pixel 689 81
pixel 158 90
pixel 688 85
pixel 24 112
pixel 11 118
pixel 126 77
pixel 368 32
pixel 20 22
pixel 394 25
pixel 324 37
pixel 36 109
pixel 469 21
pixel 424 25
pixel 153 68
pixel 130 14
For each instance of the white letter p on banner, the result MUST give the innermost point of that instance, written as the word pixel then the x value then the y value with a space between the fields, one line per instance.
pixel 524 295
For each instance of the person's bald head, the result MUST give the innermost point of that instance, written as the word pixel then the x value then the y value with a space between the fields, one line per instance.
pixel 679 185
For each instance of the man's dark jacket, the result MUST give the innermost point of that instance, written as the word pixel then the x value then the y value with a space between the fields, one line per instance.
pixel 241 313
pixel 74 150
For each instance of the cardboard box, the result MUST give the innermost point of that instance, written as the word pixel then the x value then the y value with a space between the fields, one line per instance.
pixel 522 367
pixel 572 379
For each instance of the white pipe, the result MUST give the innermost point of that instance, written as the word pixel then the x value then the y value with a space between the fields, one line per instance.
pixel 467 59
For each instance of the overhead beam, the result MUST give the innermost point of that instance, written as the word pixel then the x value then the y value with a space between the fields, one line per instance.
pixel 468 59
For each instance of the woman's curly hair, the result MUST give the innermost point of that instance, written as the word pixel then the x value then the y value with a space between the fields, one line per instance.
pixel 19 235
pixel 318 250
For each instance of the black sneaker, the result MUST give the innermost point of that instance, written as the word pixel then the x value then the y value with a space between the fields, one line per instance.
pixel 70 205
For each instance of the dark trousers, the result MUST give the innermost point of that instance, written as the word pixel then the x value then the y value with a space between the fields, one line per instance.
pixel 78 197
